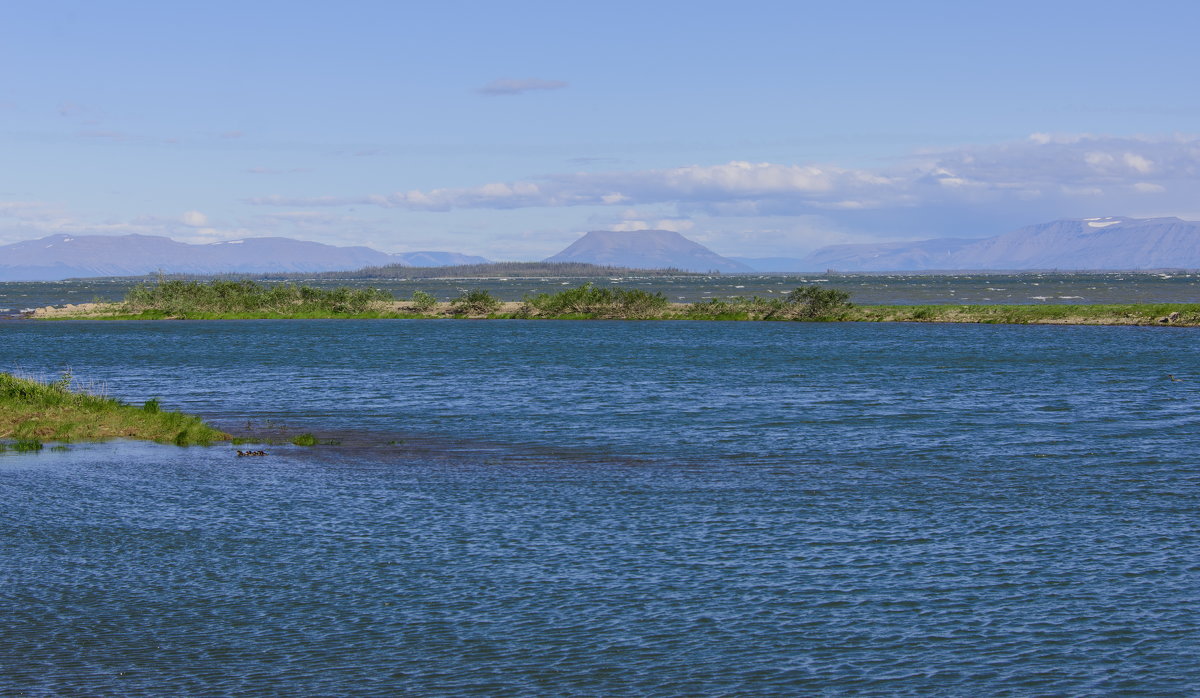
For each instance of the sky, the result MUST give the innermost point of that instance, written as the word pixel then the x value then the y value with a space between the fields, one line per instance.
pixel 509 129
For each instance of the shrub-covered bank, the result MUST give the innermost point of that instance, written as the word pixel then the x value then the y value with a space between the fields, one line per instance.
pixel 249 300
pixel 32 411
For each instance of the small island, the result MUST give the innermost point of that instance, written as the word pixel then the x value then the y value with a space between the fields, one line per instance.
pixel 33 411
pixel 234 300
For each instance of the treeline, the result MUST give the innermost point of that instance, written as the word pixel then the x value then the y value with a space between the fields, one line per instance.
pixel 489 270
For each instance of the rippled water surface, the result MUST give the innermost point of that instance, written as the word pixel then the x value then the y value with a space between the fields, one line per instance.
pixel 902 288
pixel 611 508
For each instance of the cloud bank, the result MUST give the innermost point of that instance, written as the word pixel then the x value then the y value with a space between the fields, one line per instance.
pixel 1107 171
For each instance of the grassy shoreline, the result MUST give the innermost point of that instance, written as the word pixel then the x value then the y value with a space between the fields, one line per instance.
pixel 246 300
pixel 33 411
pixel 1159 314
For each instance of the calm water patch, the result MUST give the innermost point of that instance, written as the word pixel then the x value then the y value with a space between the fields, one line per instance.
pixel 615 508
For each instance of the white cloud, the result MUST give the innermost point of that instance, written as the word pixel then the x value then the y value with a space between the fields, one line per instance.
pixel 23 210
pixel 26 220
pixel 510 86
pixel 965 192
pixel 731 181
pixel 1138 162
pixel 678 225
pixel 194 219
pixel 1035 169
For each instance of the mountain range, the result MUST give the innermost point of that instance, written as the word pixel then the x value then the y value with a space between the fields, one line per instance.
pixel 1080 243
pixel 1114 243
pixel 66 256
pixel 1077 243
pixel 646 249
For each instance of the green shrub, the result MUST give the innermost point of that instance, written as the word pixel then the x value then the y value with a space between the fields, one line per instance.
pixel 151 406
pixel 423 302
pixel 716 309
pixel 475 302
pixel 814 301
pixel 305 440
pixel 604 302
pixel 180 298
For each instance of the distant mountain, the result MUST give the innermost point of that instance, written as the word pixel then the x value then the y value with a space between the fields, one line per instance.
pixel 1082 243
pixel 889 256
pixel 436 259
pixel 646 249
pixel 64 256
pixel 774 264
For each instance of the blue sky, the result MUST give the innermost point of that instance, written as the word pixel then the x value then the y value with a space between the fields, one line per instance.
pixel 507 129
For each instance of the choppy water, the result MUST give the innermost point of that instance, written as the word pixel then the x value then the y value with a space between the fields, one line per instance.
pixel 615 508
pixel 967 288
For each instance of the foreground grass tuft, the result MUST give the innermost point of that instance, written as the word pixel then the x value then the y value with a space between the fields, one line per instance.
pixel 33 411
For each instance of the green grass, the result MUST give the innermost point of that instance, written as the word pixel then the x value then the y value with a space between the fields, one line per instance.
pixel 1188 314
pixel 237 300
pixel 193 298
pixel 305 440
pixel 605 302
pixel 27 445
pixel 155 314
pixel 33 411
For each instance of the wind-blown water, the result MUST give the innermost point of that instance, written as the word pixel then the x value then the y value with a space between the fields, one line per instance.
pixel 982 288
pixel 615 508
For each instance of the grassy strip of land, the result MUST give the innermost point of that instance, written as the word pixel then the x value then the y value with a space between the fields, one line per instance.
pixel 1166 314
pixel 32 411
pixel 180 297
pixel 225 299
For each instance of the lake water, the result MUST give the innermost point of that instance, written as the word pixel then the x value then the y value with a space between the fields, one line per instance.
pixel 614 508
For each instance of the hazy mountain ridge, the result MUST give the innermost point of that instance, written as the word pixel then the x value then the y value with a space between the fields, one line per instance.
pixel 1116 243
pixel 646 249
pixel 65 256
pixel 436 259
pixel 1069 244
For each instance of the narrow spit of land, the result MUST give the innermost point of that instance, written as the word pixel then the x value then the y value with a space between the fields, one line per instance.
pixel 218 300
pixel 32 411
